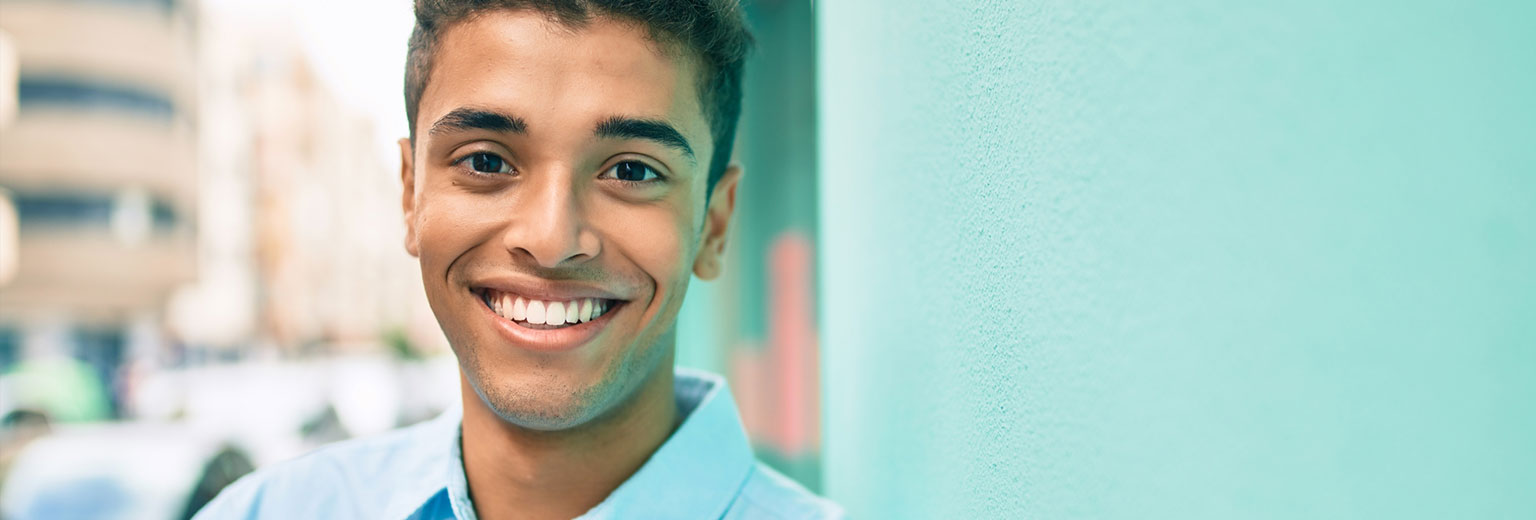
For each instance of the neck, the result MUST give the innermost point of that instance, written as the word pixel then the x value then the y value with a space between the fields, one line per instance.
pixel 520 473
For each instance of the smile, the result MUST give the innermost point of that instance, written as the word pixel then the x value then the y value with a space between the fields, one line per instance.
pixel 545 314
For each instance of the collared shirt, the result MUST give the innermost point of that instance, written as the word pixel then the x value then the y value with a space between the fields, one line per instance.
pixel 704 470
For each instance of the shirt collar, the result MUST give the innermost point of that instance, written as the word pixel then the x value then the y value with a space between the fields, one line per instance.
pixel 699 470
pixel 438 442
pixel 696 473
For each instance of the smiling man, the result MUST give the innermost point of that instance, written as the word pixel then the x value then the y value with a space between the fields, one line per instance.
pixel 567 172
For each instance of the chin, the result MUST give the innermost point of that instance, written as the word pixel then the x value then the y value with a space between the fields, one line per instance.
pixel 547 401
pixel 550 399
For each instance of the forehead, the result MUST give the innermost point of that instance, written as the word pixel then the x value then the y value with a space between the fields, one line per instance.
pixel 551 74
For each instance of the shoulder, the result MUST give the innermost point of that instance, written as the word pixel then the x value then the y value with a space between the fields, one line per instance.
pixel 367 477
pixel 769 494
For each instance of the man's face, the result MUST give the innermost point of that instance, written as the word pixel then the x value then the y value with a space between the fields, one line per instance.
pixel 553 168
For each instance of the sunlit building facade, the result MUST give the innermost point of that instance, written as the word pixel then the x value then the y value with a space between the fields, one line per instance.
pixel 99 165
pixel 302 238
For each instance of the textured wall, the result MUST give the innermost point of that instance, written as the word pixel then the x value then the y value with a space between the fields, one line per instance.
pixel 1193 261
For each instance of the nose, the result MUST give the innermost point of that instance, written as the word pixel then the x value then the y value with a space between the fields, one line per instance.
pixel 548 224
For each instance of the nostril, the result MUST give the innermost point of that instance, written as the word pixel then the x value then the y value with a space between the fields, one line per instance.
pixel 552 243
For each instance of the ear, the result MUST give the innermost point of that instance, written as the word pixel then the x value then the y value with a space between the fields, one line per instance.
pixel 722 203
pixel 408 195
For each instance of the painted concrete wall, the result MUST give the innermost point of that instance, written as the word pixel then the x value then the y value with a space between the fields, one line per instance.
pixel 1204 260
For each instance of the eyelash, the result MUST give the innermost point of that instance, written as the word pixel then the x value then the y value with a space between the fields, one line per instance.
pixel 471 168
pixel 654 170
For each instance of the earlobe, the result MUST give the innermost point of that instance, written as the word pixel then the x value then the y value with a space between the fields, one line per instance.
pixel 706 268
pixel 717 220
pixel 408 195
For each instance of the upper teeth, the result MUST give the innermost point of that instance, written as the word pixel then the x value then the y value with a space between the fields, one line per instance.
pixel 545 312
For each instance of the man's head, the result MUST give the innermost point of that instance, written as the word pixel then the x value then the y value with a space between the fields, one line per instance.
pixel 568 152
pixel 710 31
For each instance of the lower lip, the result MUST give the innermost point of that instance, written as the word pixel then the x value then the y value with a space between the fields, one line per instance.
pixel 547 340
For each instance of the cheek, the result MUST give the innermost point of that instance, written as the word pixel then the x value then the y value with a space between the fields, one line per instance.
pixel 654 238
pixel 448 227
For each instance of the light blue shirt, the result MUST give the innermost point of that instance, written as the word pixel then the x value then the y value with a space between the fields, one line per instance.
pixel 704 470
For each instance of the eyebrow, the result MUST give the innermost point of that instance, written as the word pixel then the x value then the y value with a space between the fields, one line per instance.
pixel 464 119
pixel 659 131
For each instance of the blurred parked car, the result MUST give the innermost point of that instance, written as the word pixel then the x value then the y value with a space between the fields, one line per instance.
pixel 132 470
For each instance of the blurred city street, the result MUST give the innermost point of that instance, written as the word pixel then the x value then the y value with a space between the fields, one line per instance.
pixel 201 270
pixel 194 430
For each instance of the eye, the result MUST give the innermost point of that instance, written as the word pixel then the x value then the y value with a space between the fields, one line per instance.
pixel 632 171
pixel 484 162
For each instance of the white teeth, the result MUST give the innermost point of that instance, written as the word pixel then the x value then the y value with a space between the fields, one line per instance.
pixel 556 314
pixel 519 309
pixel 540 312
pixel 535 311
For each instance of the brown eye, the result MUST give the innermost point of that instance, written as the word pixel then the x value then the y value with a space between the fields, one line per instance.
pixel 486 163
pixel 632 171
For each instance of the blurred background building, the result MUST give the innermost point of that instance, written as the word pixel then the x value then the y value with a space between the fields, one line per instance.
pixel 198 238
pixel 99 164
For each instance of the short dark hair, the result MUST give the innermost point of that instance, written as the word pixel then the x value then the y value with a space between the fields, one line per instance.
pixel 714 29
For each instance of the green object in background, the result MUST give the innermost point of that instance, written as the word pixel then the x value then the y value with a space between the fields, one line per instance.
pixel 1195 260
pixel 65 389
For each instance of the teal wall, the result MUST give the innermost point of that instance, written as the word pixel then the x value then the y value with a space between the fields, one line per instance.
pixel 1205 260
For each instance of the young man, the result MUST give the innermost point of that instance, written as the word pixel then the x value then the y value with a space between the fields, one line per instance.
pixel 568 170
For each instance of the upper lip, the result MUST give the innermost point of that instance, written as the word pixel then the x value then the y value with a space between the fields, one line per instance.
pixel 541 289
